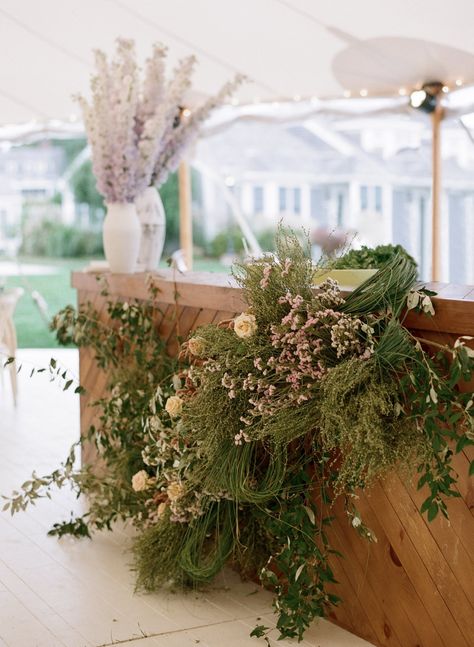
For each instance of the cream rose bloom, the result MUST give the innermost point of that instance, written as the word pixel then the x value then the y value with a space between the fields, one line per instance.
pixel 140 481
pixel 174 491
pixel 245 325
pixel 196 346
pixel 174 406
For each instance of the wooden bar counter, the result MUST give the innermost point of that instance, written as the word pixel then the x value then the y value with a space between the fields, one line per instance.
pixel 415 586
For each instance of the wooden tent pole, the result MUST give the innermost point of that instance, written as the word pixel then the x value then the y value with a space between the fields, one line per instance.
pixel 436 118
pixel 185 214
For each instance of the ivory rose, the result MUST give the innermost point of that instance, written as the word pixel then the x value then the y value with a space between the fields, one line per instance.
pixel 245 325
pixel 140 481
pixel 174 405
pixel 174 491
pixel 196 346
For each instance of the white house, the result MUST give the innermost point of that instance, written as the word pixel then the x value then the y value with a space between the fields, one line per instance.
pixel 364 176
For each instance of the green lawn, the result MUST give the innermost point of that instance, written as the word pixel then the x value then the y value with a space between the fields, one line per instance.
pixel 32 329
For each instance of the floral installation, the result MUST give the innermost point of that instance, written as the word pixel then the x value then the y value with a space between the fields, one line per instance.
pixel 137 127
pixel 235 453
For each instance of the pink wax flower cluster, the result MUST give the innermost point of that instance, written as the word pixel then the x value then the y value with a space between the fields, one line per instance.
pixel 299 357
pixel 137 127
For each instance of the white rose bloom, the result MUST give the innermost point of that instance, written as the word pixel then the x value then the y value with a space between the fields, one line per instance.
pixel 140 481
pixel 245 325
pixel 196 346
pixel 174 491
pixel 174 406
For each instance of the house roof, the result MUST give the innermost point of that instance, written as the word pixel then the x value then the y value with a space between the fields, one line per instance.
pixel 252 148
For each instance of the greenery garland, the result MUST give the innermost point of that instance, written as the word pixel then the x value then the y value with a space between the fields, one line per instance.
pixel 234 455
pixel 370 258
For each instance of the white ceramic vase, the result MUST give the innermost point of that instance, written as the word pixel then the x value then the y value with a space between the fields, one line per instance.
pixel 121 235
pixel 151 215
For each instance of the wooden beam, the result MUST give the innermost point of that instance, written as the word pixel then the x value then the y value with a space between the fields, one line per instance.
pixel 185 213
pixel 436 119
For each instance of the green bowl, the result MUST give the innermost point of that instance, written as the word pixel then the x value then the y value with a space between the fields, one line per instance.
pixel 345 278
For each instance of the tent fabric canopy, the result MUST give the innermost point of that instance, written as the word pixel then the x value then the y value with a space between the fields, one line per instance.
pixel 290 49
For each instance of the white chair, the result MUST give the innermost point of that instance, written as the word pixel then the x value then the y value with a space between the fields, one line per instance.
pixel 8 300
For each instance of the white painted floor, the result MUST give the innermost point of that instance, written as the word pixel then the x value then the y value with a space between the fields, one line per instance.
pixel 79 593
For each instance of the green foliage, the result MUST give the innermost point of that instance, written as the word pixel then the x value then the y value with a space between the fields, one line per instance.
pixel 54 239
pixel 446 417
pixel 84 187
pixel 132 354
pixel 361 423
pixel 229 240
pixel 298 569
pixel 387 289
pixel 155 552
pixel 209 542
pixel 169 194
pixel 267 238
pixel 76 527
pixel 265 303
pixel 371 258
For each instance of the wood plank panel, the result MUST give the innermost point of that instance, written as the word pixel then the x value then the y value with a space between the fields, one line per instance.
pixel 355 568
pixel 383 565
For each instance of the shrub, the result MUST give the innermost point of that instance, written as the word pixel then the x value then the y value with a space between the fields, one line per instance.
pixel 267 237
pixel 229 240
pixel 54 239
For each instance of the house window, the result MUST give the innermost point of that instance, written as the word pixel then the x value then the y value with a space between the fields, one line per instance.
pixel 364 198
pixel 297 201
pixel 378 199
pixel 289 200
pixel 282 201
pixel 371 198
pixel 257 199
pixel 340 209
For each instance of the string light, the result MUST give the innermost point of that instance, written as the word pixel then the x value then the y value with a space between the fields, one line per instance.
pixel 185 113
pixel 347 93
pixel 417 98
pixel 445 89
pixel 402 92
pixel 297 97
pixel 459 82
pixel 363 92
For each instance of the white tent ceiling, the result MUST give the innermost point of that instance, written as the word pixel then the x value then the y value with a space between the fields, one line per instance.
pixel 290 48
